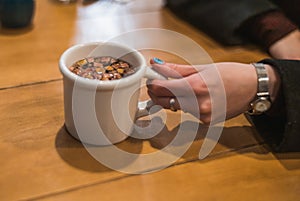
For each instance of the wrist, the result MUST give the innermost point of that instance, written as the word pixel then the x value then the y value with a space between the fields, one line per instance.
pixel 268 84
pixel 274 82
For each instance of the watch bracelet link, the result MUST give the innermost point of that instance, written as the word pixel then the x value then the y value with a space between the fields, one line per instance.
pixel 262 78
pixel 262 89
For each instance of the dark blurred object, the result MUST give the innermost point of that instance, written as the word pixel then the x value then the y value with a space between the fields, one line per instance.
pixel 291 8
pixel 16 13
pixel 219 19
pixel 65 1
pixel 87 2
pixel 233 22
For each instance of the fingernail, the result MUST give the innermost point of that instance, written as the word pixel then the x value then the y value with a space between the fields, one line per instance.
pixel 158 61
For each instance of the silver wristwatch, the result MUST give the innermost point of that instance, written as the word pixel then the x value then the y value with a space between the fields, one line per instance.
pixel 262 101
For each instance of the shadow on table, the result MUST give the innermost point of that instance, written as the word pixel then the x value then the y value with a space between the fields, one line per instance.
pixel 15 31
pixel 289 160
pixel 74 153
pixel 235 139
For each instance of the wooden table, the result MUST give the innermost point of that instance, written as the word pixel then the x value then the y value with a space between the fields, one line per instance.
pixel 39 159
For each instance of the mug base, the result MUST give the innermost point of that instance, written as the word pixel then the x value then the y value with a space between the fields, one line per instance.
pixel 76 137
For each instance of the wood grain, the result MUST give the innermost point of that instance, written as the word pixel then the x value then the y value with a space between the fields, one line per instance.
pixel 31 54
pixel 41 161
pixel 257 175
pixel 39 157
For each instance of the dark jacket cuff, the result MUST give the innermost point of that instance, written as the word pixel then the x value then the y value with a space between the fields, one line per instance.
pixel 283 132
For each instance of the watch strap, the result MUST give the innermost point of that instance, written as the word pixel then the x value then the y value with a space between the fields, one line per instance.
pixel 262 101
pixel 262 80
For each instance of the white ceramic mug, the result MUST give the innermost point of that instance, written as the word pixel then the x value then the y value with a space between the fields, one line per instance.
pixel 103 112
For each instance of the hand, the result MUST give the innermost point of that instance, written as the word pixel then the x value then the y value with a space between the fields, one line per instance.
pixel 288 47
pixel 237 81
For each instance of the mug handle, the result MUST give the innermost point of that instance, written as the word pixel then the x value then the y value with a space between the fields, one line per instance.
pixel 144 106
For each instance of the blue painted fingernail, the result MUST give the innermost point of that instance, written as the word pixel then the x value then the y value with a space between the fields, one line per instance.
pixel 158 61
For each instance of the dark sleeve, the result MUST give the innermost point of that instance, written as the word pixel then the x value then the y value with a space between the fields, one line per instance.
pixel 219 19
pixel 291 8
pixel 267 28
pixel 283 132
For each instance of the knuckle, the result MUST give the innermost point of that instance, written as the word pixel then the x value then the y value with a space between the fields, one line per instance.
pixel 199 87
pixel 205 107
pixel 205 120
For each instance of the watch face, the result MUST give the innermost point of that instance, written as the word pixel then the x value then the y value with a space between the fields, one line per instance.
pixel 262 105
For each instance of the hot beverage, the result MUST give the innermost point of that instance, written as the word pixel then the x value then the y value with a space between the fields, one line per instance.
pixel 102 68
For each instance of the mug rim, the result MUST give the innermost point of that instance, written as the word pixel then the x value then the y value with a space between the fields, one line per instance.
pixel 103 84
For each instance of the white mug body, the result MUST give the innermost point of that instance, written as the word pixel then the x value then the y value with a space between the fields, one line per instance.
pixel 101 112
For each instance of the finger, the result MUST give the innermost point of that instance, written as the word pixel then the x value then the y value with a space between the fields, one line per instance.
pixel 164 101
pixel 187 86
pixel 173 70
pixel 186 104
pixel 175 87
